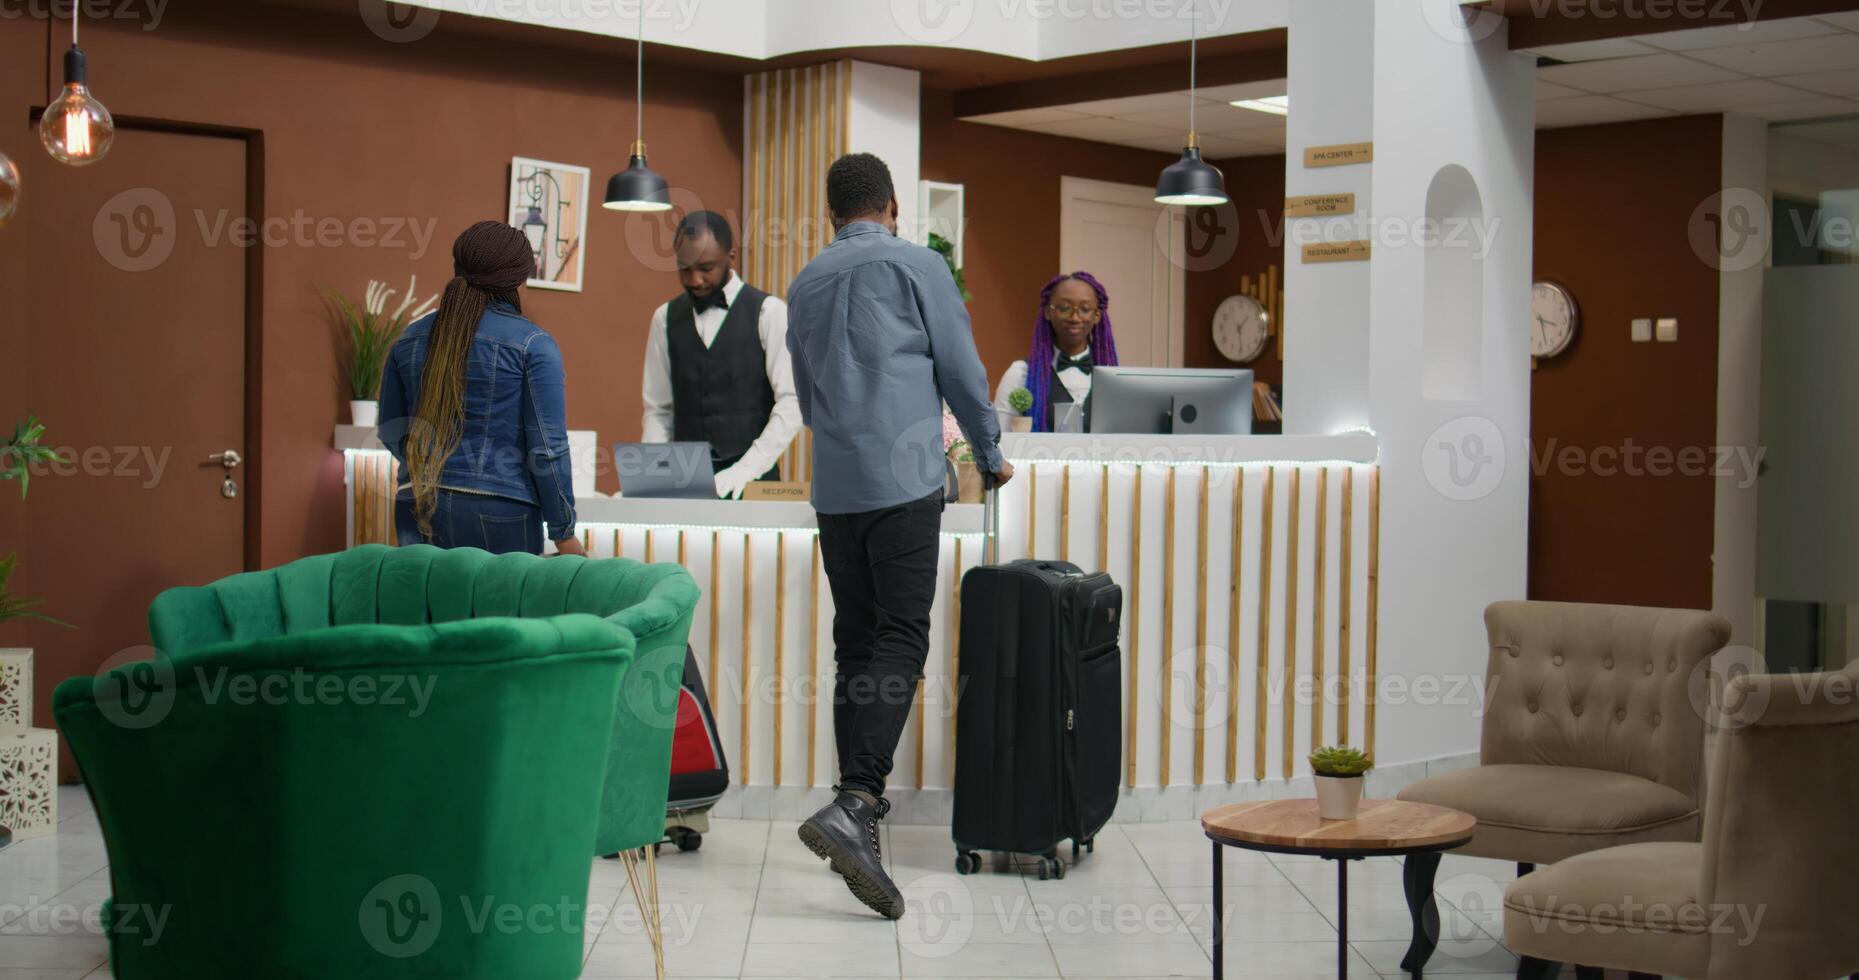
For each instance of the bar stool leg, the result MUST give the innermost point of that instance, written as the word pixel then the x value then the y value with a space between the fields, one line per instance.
pixel 1219 955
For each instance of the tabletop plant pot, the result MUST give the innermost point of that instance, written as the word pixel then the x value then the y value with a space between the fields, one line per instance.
pixel 1338 772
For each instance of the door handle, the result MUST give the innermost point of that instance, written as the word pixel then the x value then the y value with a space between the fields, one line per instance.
pixel 229 459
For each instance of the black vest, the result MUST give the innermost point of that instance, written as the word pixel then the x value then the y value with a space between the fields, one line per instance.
pixel 1057 394
pixel 719 394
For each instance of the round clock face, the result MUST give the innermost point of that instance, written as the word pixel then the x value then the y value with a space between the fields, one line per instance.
pixel 1553 318
pixel 1240 329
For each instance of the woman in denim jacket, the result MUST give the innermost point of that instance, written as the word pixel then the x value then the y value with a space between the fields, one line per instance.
pixel 472 408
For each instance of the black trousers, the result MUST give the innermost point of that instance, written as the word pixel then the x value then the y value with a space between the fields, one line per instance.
pixel 881 566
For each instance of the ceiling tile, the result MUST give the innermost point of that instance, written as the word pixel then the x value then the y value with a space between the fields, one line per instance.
pixel 1273 136
pixel 1812 108
pixel 1847 21
pixel 1246 90
pixel 1830 82
pixel 1133 103
pixel 1829 53
pixel 1588 110
pixel 1550 90
pixel 1592 50
pixel 1102 130
pixel 1844 133
pixel 1628 74
pixel 1213 118
pixel 1719 96
pixel 1025 117
pixel 1752 32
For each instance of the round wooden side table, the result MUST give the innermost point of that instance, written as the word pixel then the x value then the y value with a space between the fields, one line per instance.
pixel 1382 828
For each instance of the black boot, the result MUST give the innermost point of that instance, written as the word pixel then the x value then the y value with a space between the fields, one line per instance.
pixel 845 833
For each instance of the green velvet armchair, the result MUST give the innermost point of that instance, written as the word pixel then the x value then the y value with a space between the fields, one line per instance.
pixel 387 762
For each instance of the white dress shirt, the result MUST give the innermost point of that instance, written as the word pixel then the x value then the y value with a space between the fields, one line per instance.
pixel 783 422
pixel 1076 382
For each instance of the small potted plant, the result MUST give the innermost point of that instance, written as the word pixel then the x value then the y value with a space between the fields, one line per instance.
pixel 1339 770
pixel 1020 400
pixel 365 333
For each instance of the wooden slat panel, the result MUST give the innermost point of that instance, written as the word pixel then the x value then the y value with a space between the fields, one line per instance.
pixel 716 615
pixel 1135 618
pixel 1168 623
pixel 813 663
pixel 1262 673
pixel 748 646
pixel 1342 608
pixel 1290 657
pixel 780 641
pixel 1232 627
pixel 1065 512
pixel 1374 608
pixel 1317 595
pixel 1200 637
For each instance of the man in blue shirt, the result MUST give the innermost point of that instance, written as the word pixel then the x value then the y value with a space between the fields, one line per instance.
pixel 879 341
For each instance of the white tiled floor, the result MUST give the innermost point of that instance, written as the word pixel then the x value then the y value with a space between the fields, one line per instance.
pixel 754 903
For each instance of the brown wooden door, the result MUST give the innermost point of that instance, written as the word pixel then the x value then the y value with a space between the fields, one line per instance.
pixel 134 357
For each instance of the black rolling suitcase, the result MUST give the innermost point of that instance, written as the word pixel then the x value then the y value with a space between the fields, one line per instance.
pixel 1039 724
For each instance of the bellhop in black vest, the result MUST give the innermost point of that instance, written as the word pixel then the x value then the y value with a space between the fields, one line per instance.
pixel 720 394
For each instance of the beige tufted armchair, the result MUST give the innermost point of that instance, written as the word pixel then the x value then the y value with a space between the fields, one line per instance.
pixel 1765 896
pixel 1590 739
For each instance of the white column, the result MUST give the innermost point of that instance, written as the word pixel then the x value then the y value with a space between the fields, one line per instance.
pixel 885 112
pixel 1739 374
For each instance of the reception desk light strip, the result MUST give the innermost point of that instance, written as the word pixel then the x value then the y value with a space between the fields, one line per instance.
pixel 1285 566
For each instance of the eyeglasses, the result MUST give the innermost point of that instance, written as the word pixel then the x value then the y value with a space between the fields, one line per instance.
pixel 1086 313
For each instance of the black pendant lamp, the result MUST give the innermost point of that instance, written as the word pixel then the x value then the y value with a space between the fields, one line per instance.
pixel 638 187
pixel 1191 180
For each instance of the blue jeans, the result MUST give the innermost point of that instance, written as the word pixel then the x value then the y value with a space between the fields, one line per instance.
pixel 473 520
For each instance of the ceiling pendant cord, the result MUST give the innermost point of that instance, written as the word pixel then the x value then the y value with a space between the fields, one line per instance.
pixel 639 87
pixel 1194 20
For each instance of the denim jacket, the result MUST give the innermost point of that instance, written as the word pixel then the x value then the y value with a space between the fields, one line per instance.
pixel 513 442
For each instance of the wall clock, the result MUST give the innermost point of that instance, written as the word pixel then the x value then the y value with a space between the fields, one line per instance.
pixel 1554 318
pixel 1240 329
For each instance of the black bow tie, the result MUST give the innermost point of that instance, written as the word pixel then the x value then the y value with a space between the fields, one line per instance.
pixel 716 300
pixel 1082 362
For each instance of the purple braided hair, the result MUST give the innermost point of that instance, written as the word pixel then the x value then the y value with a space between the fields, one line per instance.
pixel 1039 361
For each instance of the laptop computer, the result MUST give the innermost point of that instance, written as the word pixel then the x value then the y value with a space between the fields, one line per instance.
pixel 678 470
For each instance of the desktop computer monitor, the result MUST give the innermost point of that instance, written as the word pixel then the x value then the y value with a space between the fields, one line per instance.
pixel 1181 401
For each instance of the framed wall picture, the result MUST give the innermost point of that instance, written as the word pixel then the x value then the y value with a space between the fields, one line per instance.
pixel 548 202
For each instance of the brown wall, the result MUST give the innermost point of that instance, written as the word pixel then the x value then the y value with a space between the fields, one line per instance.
pixel 1011 244
pixel 1613 204
pixel 357 127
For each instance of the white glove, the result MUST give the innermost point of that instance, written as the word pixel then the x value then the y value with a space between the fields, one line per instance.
pixel 732 481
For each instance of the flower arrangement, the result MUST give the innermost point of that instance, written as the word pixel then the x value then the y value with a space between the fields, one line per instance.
pixel 366 331
pixel 954 444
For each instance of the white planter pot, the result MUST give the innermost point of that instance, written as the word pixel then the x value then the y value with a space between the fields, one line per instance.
pixel 1338 797
pixel 366 413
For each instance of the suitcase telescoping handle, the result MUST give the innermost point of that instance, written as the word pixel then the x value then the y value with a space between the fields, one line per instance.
pixel 990 520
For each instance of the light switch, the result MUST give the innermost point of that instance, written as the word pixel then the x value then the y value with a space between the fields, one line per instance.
pixel 1666 330
pixel 1642 330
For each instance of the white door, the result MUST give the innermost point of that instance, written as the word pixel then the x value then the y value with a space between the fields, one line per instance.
pixel 1134 246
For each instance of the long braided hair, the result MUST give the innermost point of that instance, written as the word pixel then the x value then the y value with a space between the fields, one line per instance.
pixel 490 260
pixel 1039 362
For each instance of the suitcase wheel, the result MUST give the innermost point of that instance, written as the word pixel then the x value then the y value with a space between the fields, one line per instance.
pixel 686 838
pixel 1074 850
pixel 1051 867
pixel 1090 845
pixel 967 862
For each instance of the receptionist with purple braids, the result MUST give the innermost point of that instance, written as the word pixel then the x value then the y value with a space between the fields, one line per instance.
pixel 1071 335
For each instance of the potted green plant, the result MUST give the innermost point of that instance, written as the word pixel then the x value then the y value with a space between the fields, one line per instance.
pixel 1338 773
pixel 946 248
pixel 1021 401
pixel 365 333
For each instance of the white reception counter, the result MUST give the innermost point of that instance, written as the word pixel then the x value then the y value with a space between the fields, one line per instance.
pixel 1249 571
